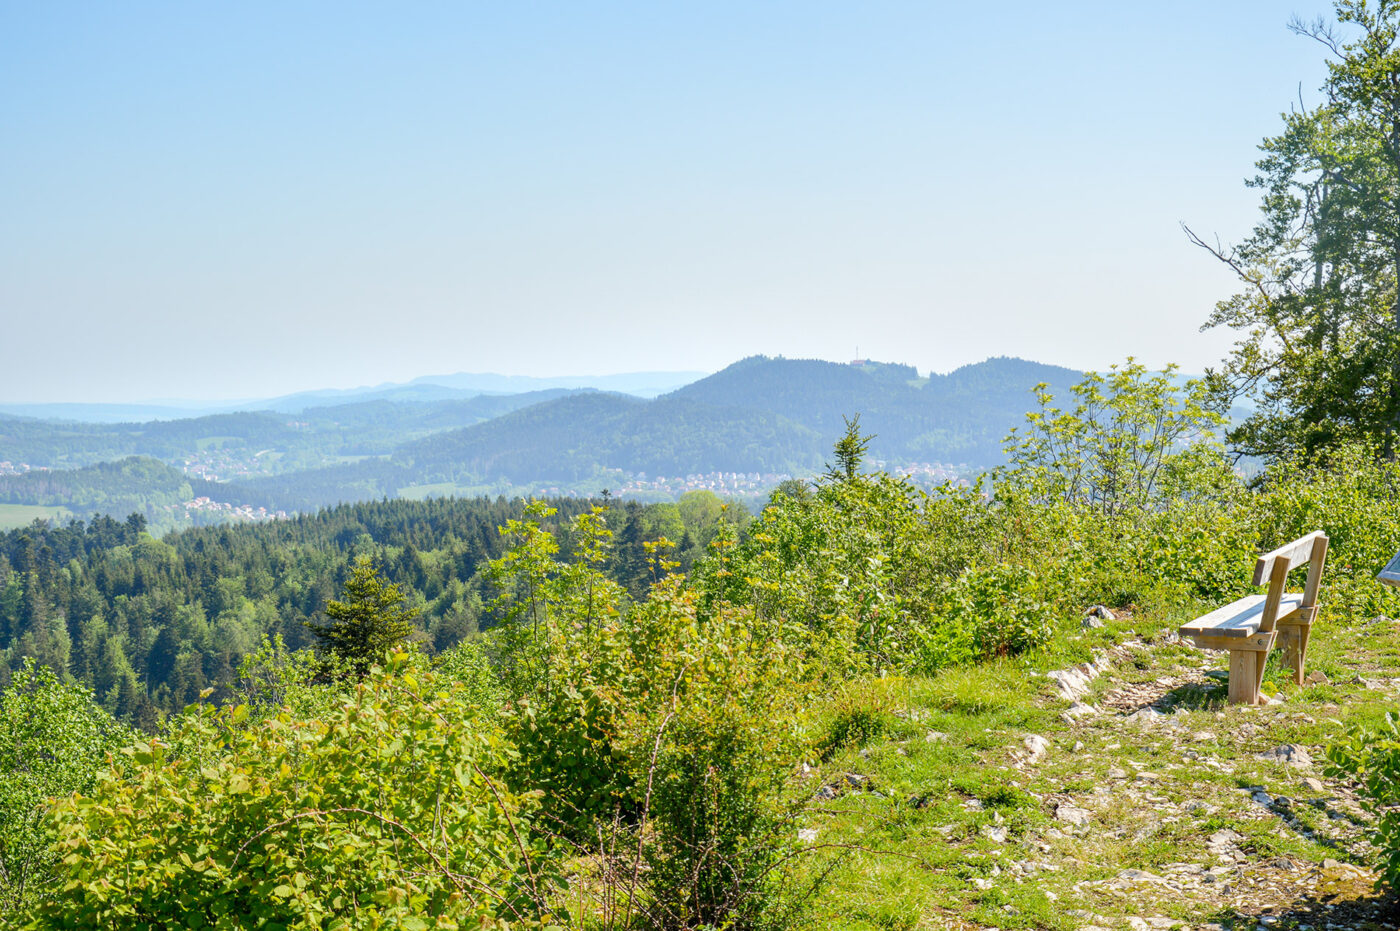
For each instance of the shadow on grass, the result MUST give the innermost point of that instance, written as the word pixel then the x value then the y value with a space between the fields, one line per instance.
pixel 1354 910
pixel 1211 695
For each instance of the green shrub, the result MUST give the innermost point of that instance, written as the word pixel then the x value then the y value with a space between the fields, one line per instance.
pixel 469 665
pixel 1372 757
pixel 566 672
pixel 712 749
pixel 381 814
pixel 663 739
pixel 859 714
pixel 53 741
pixel 1354 495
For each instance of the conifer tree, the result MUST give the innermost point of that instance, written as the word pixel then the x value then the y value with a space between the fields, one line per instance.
pixel 368 623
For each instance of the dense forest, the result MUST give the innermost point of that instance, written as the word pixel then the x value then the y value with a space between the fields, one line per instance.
pixel 148 624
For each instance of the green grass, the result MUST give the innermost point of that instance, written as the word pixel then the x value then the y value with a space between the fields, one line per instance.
pixel 912 842
pixel 22 515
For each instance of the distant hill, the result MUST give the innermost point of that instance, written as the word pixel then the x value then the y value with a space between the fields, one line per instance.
pixel 576 436
pixel 132 485
pixel 641 384
pixel 425 389
pixel 759 415
pixel 252 442
pixel 749 424
pixel 960 417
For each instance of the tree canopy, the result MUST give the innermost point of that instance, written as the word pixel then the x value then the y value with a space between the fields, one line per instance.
pixel 370 622
pixel 1319 350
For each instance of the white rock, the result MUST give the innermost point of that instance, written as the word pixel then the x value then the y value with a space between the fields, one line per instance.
pixel 1036 746
pixel 1291 754
pixel 1079 710
pixel 1069 814
pixel 1071 683
pixel 1139 876
pixel 994 833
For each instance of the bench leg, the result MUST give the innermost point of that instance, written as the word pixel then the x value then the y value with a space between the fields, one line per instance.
pixel 1244 677
pixel 1294 640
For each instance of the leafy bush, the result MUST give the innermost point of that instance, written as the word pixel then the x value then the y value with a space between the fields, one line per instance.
pixel 53 741
pixel 565 672
pixel 383 813
pixel 712 747
pixel 1353 494
pixel 469 665
pixel 859 714
pixel 1372 756
pixel 663 738
pixel 998 611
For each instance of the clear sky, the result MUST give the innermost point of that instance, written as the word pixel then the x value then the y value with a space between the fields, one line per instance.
pixel 243 200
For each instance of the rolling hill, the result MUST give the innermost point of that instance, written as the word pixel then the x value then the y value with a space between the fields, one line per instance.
pixel 761 417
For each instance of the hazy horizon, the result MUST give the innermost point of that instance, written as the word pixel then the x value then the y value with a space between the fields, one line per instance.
pixel 193 401
pixel 256 201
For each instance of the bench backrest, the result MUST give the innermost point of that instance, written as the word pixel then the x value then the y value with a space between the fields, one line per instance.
pixel 1275 566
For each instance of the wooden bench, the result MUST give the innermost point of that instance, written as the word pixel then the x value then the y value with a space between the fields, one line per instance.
pixel 1250 627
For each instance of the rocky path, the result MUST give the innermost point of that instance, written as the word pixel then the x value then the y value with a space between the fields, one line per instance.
pixel 1121 793
pixel 1261 838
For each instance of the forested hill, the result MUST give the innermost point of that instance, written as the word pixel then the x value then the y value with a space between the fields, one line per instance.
pixel 256 442
pixel 150 623
pixel 574 437
pixel 751 425
pixel 959 417
pixel 758 415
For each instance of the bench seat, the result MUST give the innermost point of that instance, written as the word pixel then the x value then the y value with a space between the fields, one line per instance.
pixel 1241 618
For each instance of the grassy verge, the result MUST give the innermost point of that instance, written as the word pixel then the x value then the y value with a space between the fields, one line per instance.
pixel 941 820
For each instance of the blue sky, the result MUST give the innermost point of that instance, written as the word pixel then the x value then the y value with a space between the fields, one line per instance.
pixel 259 198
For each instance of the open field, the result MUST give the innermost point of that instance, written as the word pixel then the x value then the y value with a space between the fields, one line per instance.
pixel 20 515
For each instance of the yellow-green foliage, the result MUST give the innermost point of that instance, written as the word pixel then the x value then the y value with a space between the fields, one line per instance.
pixel 381 813
pixel 668 734
pixel 1353 494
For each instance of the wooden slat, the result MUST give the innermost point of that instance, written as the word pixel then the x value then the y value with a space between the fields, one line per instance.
pixel 1316 562
pixel 1390 575
pixel 1259 643
pixel 1274 601
pixel 1239 618
pixel 1297 553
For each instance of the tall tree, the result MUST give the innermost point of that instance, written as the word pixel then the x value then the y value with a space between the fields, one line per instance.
pixel 1319 312
pixel 369 622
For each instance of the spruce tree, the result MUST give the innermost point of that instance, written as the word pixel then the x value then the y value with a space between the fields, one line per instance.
pixel 368 623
